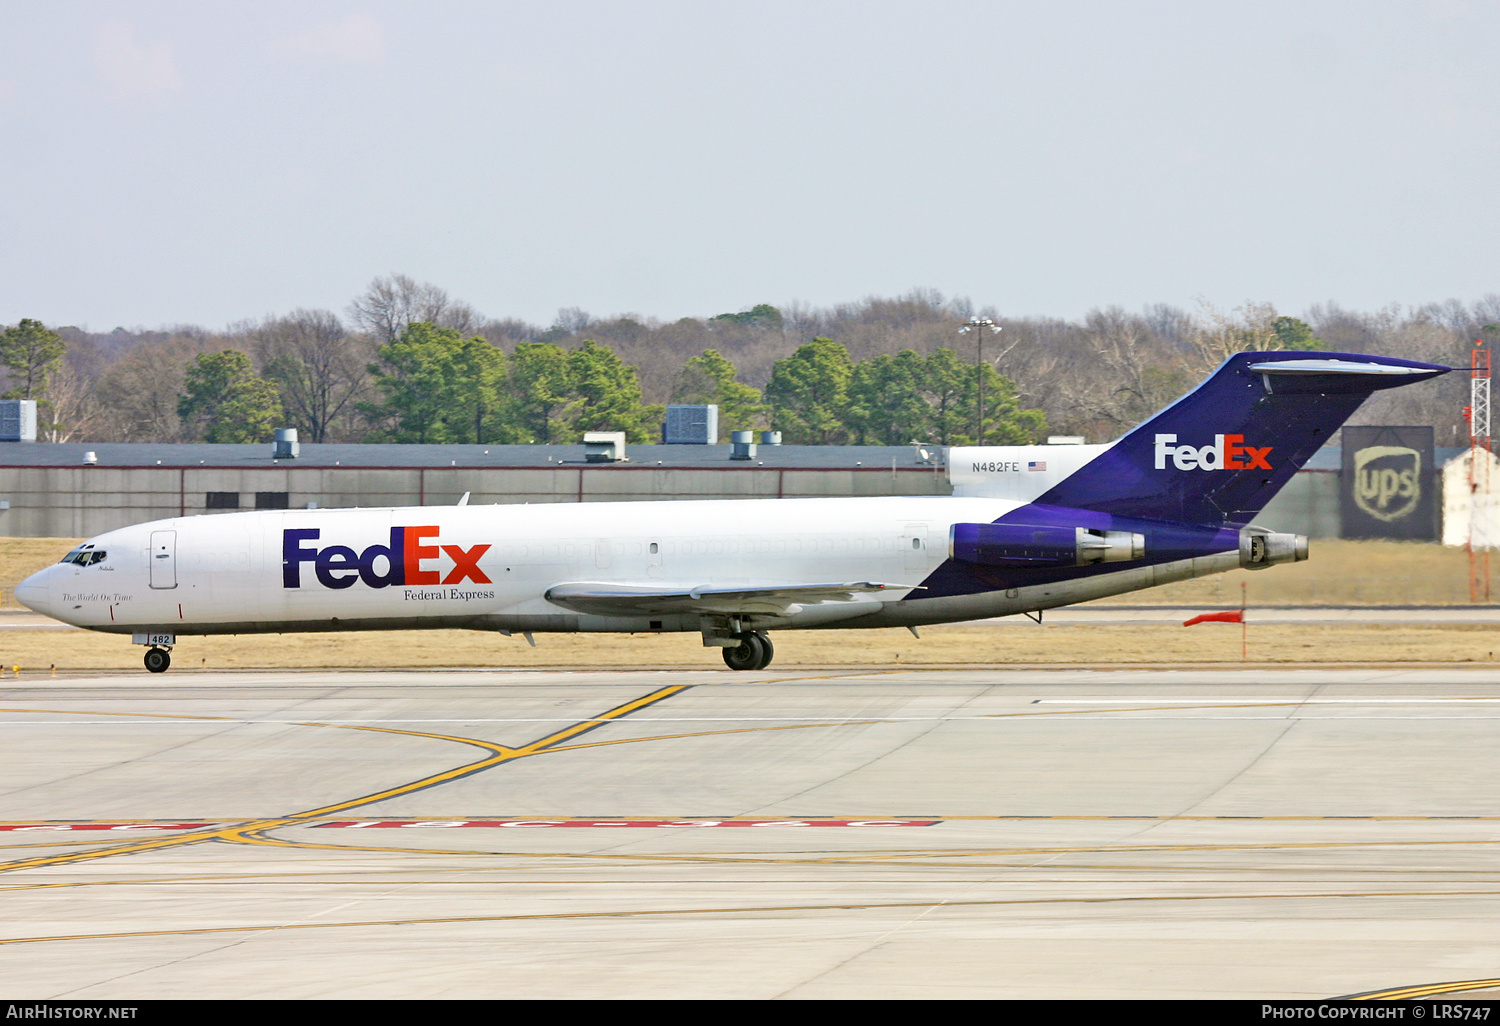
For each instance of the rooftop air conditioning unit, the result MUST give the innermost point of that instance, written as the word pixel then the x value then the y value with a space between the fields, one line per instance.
pixel 604 446
pixel 18 420
pixel 688 424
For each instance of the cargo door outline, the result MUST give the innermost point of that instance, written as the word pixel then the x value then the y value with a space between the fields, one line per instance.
pixel 914 548
pixel 163 560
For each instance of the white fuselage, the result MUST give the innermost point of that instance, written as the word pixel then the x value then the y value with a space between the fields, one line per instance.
pixel 1168 501
pixel 491 567
pixel 225 573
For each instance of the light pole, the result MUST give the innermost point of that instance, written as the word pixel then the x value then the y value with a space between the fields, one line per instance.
pixel 978 325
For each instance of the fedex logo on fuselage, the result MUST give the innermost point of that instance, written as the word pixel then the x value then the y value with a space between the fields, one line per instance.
pixel 1226 453
pixel 379 566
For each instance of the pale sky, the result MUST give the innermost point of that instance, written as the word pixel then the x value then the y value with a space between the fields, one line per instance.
pixel 183 162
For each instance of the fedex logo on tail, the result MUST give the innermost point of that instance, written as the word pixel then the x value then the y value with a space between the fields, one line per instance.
pixel 1228 452
pixel 379 566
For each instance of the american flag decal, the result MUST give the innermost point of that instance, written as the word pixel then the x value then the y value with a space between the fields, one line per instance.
pixel 1039 465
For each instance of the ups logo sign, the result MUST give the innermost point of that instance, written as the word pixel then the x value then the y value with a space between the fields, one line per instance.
pixel 1387 481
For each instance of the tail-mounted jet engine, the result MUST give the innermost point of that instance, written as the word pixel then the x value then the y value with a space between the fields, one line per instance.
pixel 1260 548
pixel 1023 546
pixel 1026 545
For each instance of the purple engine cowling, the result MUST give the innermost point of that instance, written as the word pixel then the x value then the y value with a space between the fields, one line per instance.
pixel 1032 545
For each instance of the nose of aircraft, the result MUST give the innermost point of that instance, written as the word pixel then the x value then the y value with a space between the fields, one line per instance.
pixel 36 592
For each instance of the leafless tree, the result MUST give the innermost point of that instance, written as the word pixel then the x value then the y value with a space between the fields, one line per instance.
pixel 506 332
pixel 138 394
pixel 1093 376
pixel 319 367
pixel 392 303
pixel 70 404
pixel 1434 334
pixel 572 321
pixel 1216 335
pixel 69 407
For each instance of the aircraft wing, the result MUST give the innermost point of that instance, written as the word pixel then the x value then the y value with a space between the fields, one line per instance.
pixel 624 599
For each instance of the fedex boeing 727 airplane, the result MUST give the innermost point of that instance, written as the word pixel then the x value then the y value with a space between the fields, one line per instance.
pixel 1028 528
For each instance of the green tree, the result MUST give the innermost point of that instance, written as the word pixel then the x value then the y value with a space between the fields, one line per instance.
pixel 762 315
pixel 610 395
pixel 710 378
pixel 809 393
pixel 945 380
pixel 886 401
pixel 224 400
pixel 1005 423
pixel 481 411
pixel 30 352
pixel 541 388
pixel 441 387
pixel 413 377
pixel 1295 334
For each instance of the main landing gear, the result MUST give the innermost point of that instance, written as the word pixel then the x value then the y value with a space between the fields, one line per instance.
pixel 754 652
pixel 158 659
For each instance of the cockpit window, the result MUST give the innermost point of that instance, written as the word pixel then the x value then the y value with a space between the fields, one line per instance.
pixel 85 555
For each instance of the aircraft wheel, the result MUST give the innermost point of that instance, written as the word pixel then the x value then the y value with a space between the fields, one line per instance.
pixel 770 651
pixel 158 659
pixel 748 654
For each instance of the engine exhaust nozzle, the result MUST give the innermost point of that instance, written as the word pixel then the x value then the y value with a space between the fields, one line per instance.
pixel 1260 548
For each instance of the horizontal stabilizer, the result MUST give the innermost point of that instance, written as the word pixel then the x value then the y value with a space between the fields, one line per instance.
pixel 1347 366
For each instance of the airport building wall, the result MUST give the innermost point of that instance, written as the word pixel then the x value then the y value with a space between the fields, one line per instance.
pixel 1308 505
pixel 76 502
pixel 53 494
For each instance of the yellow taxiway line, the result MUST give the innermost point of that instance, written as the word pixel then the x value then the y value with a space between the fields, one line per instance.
pixel 241 832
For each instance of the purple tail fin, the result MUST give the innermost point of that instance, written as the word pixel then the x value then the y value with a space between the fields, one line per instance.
pixel 1218 454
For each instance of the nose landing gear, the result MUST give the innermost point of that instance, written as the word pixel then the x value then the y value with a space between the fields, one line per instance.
pixel 754 652
pixel 158 659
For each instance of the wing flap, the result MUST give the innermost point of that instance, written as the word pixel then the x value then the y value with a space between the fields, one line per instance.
pixel 616 599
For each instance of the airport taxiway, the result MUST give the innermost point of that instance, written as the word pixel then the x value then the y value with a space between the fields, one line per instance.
pixel 1256 833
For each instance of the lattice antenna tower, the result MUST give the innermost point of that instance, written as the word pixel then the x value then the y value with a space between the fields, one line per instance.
pixel 1478 415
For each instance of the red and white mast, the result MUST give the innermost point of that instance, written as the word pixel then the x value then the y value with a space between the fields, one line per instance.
pixel 1478 416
